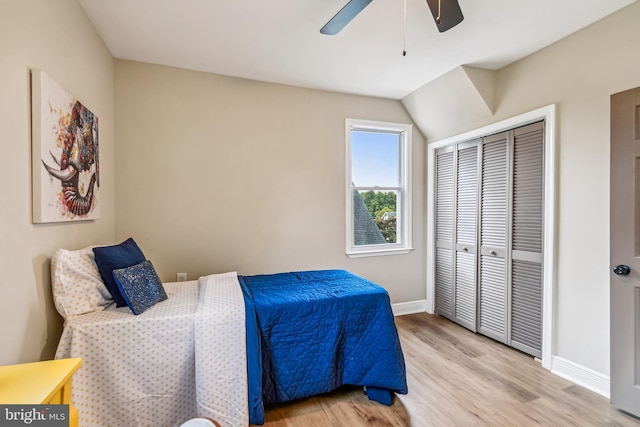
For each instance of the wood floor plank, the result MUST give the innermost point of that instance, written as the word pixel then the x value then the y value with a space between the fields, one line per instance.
pixel 458 378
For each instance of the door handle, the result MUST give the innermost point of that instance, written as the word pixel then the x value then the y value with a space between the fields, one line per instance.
pixel 621 270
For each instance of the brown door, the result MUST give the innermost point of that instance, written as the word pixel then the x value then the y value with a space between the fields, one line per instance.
pixel 625 251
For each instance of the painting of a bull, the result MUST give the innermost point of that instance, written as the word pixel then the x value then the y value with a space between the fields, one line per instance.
pixel 66 169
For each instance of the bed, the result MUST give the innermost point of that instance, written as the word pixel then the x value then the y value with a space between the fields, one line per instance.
pixel 225 346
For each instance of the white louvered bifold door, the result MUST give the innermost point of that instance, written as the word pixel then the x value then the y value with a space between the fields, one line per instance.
pixel 527 239
pixel 467 180
pixel 444 224
pixel 494 231
pixel 489 236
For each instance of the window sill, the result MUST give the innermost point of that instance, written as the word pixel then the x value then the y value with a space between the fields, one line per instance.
pixel 378 252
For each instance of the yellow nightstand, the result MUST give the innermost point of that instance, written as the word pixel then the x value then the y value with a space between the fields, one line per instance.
pixel 40 383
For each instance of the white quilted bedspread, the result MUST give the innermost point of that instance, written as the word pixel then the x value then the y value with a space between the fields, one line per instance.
pixel 141 370
pixel 221 356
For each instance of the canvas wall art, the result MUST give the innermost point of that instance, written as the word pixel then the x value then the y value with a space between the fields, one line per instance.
pixel 66 167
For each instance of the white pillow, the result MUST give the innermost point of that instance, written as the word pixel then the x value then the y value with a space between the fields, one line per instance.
pixel 77 285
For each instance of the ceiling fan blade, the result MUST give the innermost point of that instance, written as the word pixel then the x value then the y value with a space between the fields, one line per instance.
pixel 446 13
pixel 342 18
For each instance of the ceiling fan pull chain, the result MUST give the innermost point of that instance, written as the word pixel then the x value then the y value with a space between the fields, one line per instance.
pixel 404 29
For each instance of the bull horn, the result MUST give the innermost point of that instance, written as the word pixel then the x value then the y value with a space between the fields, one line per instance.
pixel 54 159
pixel 63 175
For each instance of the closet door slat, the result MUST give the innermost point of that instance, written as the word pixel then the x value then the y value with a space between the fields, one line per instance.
pixel 467 195
pixel 492 318
pixel 527 239
pixel 494 194
pixel 444 222
pixel 493 301
pixel 466 290
pixel 444 282
pixel 444 197
pixel 528 190
pixel 466 235
pixel 526 307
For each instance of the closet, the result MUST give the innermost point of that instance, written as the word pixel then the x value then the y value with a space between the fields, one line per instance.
pixel 489 235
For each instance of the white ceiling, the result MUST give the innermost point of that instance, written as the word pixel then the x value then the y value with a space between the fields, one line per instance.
pixel 279 41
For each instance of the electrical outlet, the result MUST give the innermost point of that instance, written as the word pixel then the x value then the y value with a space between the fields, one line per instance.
pixel 181 277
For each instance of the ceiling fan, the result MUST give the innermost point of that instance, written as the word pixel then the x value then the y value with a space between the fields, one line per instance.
pixel 446 13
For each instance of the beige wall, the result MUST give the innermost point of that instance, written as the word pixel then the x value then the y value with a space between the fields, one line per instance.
pixel 219 174
pixel 56 37
pixel 578 74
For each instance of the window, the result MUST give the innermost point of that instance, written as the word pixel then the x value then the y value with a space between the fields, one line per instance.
pixel 378 196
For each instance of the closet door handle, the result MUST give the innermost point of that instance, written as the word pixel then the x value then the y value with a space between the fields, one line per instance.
pixel 621 270
pixel 465 249
pixel 492 252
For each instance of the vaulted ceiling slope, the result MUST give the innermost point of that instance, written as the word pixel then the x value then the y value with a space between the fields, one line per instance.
pixel 280 41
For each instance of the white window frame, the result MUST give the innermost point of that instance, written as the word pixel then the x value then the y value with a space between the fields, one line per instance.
pixel 404 223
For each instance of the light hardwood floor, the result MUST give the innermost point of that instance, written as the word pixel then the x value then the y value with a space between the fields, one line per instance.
pixel 458 378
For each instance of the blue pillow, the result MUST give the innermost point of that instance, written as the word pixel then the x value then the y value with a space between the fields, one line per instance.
pixel 140 286
pixel 109 258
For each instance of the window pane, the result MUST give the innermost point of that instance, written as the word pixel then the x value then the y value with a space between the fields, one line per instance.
pixel 378 188
pixel 375 159
pixel 374 217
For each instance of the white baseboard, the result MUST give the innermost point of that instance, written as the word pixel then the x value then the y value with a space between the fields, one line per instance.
pixel 410 307
pixel 581 375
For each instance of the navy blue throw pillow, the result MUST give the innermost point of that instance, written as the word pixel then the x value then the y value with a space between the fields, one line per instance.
pixel 109 258
pixel 140 286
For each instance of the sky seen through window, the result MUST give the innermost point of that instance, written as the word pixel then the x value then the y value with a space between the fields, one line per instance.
pixel 375 159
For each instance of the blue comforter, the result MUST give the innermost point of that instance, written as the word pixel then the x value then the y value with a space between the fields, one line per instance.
pixel 313 331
